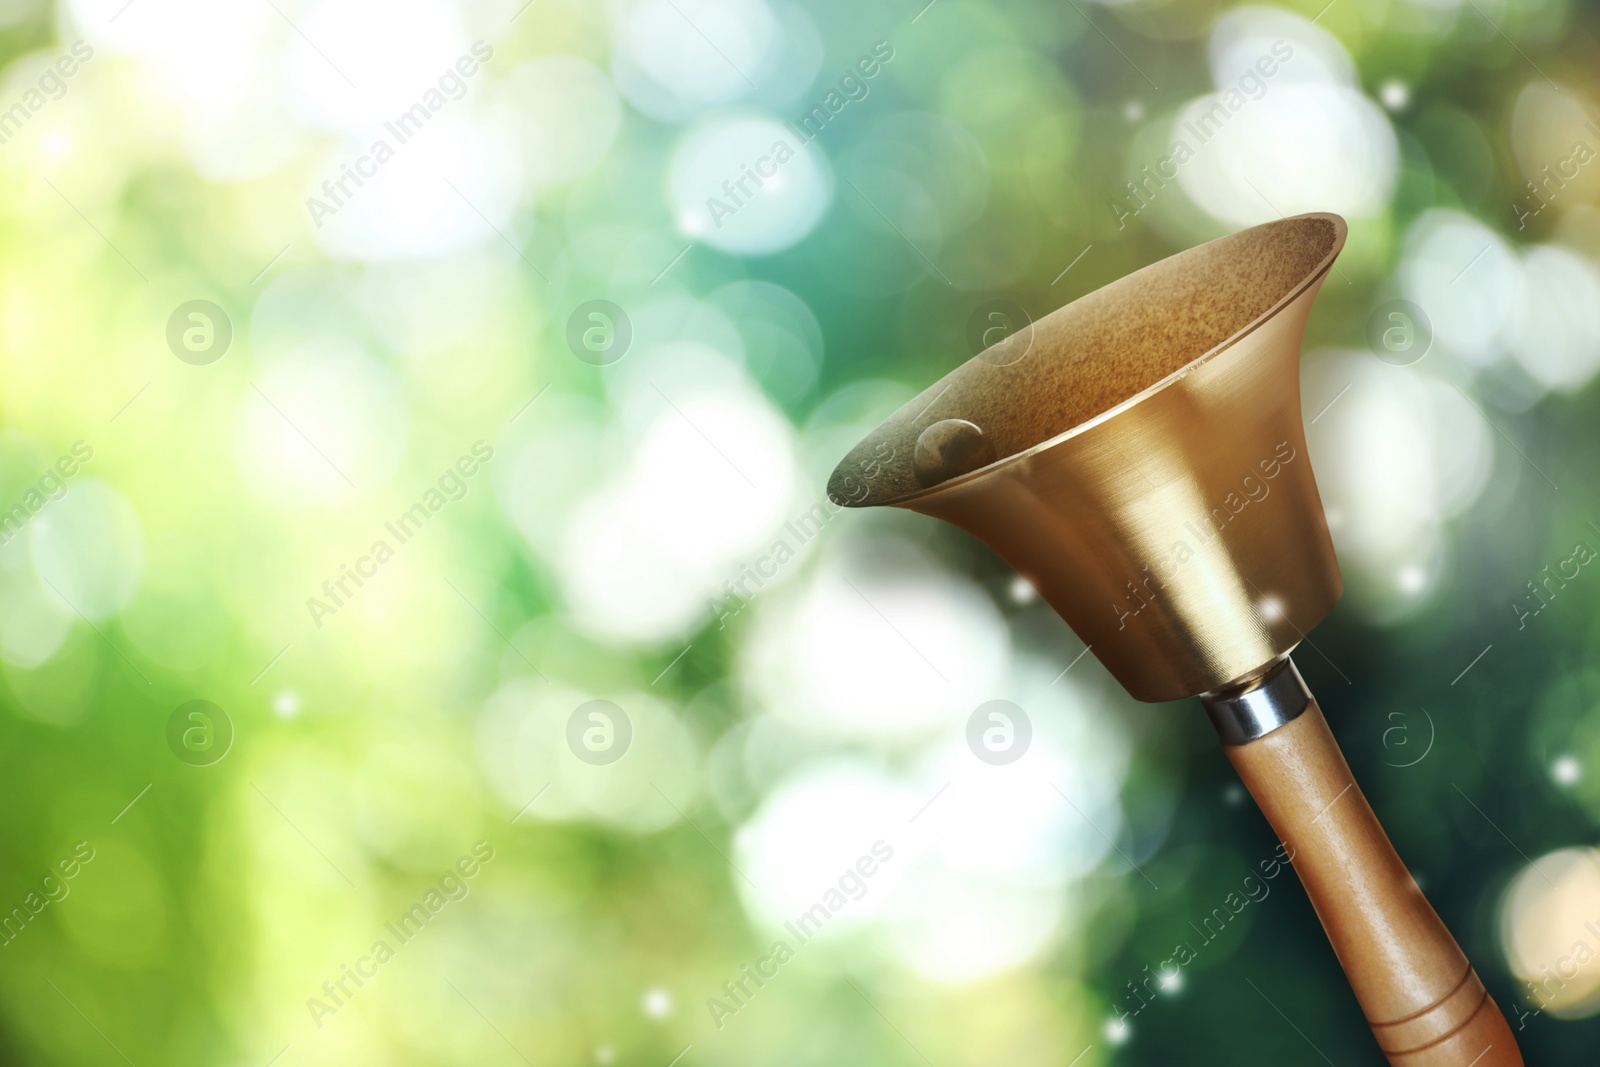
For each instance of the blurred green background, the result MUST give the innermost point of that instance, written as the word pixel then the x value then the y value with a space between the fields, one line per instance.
pixel 359 462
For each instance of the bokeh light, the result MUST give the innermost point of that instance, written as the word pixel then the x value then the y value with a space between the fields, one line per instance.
pixel 1551 934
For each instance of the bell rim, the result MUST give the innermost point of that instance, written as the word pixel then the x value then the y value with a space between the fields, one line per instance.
pixel 1314 277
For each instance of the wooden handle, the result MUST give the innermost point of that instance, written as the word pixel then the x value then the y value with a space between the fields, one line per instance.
pixel 1424 1002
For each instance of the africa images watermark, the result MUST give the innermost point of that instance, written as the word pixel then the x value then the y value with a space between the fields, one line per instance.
pixel 1550 585
pixel 452 486
pixel 803 528
pixel 1566 969
pixel 1256 889
pixel 405 126
pixel 851 885
pixel 1252 85
pixel 52 485
pixel 452 888
pixel 1251 490
pixel 51 85
pixel 852 89
pixel 761 571
pixel 52 890
pixel 1566 170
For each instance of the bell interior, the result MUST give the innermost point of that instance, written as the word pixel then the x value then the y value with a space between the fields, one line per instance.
pixel 1100 352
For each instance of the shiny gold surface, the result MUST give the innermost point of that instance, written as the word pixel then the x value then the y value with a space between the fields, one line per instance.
pixel 1152 480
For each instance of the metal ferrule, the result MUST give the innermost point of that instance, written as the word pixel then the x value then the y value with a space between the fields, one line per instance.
pixel 1243 713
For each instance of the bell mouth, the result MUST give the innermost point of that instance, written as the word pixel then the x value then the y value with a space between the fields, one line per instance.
pixel 1091 359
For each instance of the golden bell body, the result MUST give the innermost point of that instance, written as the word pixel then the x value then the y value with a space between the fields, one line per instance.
pixel 1151 477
